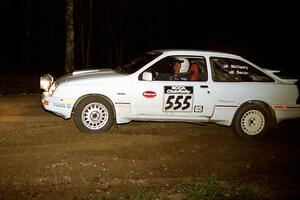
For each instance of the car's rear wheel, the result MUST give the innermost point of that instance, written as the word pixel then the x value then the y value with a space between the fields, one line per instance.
pixel 251 121
pixel 94 114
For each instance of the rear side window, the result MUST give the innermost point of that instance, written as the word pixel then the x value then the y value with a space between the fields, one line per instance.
pixel 232 70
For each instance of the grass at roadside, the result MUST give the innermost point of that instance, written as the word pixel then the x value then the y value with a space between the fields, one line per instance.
pixel 205 188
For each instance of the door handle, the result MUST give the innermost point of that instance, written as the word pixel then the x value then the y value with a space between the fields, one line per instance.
pixel 203 86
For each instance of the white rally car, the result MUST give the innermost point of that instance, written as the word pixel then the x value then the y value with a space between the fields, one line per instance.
pixel 211 87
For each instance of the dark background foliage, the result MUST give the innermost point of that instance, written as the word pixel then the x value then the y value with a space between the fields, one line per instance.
pixel 110 33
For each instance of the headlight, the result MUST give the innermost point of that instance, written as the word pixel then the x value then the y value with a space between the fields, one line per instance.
pixel 46 81
pixel 52 88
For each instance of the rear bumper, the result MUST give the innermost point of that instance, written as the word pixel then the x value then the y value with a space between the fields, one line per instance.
pixel 60 106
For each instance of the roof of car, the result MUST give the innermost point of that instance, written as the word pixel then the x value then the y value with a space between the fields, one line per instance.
pixel 195 51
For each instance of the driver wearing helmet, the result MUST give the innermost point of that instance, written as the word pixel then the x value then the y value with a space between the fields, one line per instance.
pixel 180 70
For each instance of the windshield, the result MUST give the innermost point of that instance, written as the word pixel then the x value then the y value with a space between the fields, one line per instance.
pixel 138 63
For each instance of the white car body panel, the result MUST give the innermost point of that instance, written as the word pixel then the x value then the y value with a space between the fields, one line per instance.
pixel 135 99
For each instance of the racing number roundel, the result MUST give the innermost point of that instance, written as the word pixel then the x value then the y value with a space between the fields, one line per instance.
pixel 178 98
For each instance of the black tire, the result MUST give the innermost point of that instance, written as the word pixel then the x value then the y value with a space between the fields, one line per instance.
pixel 94 114
pixel 251 121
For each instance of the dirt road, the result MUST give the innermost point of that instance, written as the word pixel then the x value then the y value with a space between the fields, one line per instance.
pixel 43 156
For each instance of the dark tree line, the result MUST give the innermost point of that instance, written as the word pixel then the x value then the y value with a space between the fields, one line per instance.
pixel 69 64
pixel 109 33
pixel 32 36
pixel 37 36
pixel 105 33
pixel 58 36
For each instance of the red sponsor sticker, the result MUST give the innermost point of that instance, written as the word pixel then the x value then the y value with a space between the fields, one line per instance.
pixel 149 94
pixel 280 107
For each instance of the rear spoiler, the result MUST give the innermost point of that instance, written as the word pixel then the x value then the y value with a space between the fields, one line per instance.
pixel 281 79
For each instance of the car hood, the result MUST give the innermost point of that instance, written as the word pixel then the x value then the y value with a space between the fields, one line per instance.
pixel 88 74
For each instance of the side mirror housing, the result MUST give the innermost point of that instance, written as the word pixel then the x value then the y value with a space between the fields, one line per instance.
pixel 147 76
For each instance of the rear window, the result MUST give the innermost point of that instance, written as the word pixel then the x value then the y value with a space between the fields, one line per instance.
pixel 233 70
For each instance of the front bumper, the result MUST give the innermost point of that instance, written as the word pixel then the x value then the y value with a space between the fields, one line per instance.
pixel 60 106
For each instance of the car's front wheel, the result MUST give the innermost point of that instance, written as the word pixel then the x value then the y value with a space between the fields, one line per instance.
pixel 94 114
pixel 251 121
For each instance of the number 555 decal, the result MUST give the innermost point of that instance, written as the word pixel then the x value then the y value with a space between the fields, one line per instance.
pixel 178 98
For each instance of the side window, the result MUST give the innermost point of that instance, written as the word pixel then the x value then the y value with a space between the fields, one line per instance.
pixel 161 70
pixel 179 68
pixel 232 70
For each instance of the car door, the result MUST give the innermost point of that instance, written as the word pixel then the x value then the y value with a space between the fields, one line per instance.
pixel 165 99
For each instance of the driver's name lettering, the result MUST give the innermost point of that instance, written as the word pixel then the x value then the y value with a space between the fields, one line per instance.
pixel 241 67
pixel 236 69
pixel 241 72
pixel 178 90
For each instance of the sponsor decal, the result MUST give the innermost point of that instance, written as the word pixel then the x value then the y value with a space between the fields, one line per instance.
pixel 178 98
pixel 149 94
pixel 177 89
pixel 67 100
pixel 62 105
pixel 279 107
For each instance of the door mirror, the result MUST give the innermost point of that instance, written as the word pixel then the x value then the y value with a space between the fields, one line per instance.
pixel 147 76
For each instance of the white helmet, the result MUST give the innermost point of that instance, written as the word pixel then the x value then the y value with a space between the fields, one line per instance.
pixel 185 64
